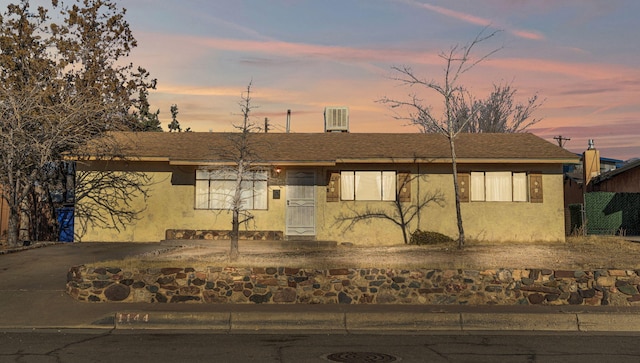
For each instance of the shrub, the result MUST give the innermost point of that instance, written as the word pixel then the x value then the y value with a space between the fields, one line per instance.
pixel 428 238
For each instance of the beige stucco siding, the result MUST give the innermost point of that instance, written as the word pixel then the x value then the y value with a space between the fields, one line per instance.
pixel 171 205
pixel 501 221
pixel 498 221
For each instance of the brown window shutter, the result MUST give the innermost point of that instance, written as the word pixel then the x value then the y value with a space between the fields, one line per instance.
pixel 463 186
pixel 535 188
pixel 404 186
pixel 333 187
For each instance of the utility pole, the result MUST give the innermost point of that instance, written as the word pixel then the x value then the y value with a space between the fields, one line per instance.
pixel 561 140
pixel 266 125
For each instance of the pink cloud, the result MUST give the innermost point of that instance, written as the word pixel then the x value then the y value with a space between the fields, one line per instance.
pixel 336 53
pixel 476 20
pixel 573 69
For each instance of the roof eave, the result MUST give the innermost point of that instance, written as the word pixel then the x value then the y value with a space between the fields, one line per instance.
pixel 447 160
pixel 260 163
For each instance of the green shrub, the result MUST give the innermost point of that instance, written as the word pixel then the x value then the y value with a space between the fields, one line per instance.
pixel 428 238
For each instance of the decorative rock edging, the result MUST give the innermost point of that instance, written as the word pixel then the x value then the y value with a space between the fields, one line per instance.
pixel 284 285
pixel 213 235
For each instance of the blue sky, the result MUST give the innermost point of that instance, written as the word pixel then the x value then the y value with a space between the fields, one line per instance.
pixel 581 57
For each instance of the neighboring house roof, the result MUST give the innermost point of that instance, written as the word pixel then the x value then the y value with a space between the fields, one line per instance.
pixel 331 148
pixel 610 174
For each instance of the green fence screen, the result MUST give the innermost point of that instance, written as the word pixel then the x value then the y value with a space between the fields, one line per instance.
pixel 612 213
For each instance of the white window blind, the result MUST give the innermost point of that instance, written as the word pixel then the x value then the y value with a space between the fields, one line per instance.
pixel 216 189
pixel 498 186
pixel 477 186
pixel 368 185
pixel 347 185
pixel 520 187
pixel 389 181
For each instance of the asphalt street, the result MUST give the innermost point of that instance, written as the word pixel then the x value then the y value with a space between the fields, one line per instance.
pixel 170 346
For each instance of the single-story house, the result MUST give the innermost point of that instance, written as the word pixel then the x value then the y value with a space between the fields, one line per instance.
pixel 625 179
pixel 511 185
pixel 602 199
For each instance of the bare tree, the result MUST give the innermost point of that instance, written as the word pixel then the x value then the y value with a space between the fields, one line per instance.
pixel 499 113
pixel 244 171
pixel 402 215
pixel 456 98
pixel 61 85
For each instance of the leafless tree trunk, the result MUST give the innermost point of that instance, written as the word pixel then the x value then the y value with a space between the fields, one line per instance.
pixel 244 158
pixel 458 60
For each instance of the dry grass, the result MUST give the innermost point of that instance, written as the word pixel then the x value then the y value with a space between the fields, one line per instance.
pixel 576 253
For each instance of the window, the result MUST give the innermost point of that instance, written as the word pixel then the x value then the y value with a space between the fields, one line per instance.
pixel 499 186
pixel 368 185
pixel 215 189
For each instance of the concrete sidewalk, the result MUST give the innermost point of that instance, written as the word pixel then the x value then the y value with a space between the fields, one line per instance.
pixel 32 296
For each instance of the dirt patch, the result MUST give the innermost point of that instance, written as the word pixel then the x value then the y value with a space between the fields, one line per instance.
pixel 576 253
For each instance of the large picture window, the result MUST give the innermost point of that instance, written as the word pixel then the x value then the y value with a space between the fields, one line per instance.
pixel 499 186
pixel 215 189
pixel 368 185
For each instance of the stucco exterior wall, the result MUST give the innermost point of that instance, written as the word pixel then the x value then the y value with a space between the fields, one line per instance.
pixel 171 205
pixel 497 221
pixel 172 199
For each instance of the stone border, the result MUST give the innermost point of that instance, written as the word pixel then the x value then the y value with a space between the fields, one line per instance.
pixel 282 285
pixel 214 235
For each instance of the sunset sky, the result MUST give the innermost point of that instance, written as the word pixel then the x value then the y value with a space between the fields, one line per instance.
pixel 582 57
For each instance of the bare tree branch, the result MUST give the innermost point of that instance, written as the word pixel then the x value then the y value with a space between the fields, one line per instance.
pixel 458 103
pixel 61 86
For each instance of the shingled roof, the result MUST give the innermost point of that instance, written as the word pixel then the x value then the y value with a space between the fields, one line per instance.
pixel 331 148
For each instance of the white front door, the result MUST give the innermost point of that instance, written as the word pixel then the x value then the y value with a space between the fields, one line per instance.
pixel 301 213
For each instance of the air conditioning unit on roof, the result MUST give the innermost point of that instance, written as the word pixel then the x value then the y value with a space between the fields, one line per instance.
pixel 336 119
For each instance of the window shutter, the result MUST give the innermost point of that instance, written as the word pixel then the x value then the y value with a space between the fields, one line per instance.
pixel 333 187
pixel 463 186
pixel 535 188
pixel 404 186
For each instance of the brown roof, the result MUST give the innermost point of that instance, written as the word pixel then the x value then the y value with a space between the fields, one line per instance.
pixel 329 148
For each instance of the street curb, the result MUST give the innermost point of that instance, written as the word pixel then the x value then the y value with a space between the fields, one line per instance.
pixel 372 322
pixel 609 322
pixel 172 320
pixel 255 321
pixel 519 322
pixel 354 323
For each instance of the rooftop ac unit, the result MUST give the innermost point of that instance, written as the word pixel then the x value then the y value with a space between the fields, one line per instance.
pixel 336 119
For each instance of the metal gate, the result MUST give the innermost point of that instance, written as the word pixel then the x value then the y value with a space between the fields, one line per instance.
pixel 301 211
